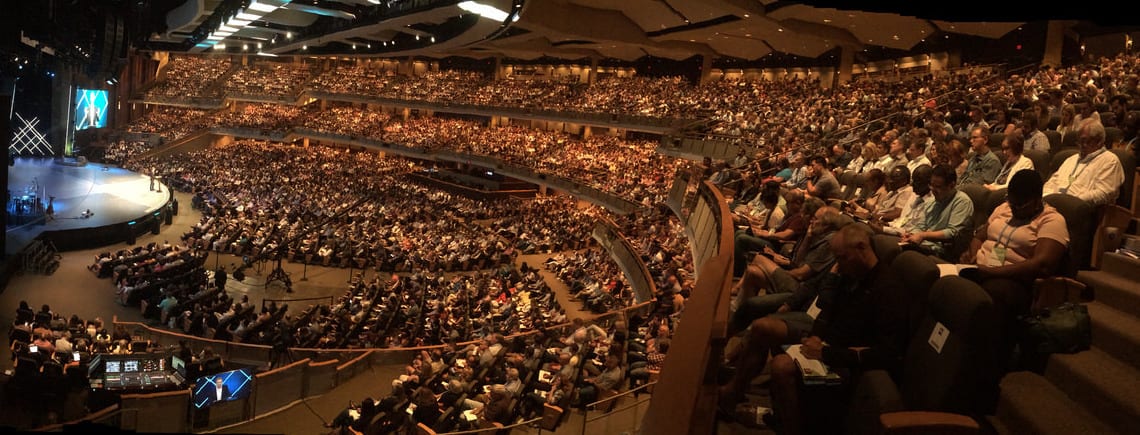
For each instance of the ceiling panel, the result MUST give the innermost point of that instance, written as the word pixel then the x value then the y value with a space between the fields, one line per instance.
pixel 988 30
pixel 650 15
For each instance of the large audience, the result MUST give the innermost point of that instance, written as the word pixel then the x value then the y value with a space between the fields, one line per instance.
pixel 319 204
pixel 192 77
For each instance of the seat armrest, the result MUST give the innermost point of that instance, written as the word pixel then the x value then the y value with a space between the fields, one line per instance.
pixel 879 392
pixel 875 393
pixel 927 423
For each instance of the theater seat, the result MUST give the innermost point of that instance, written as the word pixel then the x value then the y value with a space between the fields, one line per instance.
pixel 1080 218
pixel 1128 163
pixel 1040 161
pixel 939 388
pixel 918 273
pixel 1054 140
pixel 886 247
pixel 1059 158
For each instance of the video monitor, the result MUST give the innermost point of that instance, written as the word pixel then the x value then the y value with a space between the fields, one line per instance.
pixel 178 365
pixel 90 108
pixel 131 365
pixel 113 366
pixel 222 387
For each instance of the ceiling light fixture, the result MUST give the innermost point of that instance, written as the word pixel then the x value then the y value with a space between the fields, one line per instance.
pixel 485 11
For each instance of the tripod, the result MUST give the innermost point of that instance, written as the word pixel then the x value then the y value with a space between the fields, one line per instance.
pixel 279 274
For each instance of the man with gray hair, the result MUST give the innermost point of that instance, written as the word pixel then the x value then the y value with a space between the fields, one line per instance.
pixel 1094 174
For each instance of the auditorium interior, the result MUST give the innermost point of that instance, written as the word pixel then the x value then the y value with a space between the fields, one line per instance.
pixel 569 216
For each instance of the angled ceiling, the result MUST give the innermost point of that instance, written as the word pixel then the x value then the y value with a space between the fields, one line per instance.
pixel 570 29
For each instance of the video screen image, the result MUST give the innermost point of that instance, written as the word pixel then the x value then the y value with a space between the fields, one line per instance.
pixel 178 365
pixel 225 386
pixel 114 367
pixel 90 108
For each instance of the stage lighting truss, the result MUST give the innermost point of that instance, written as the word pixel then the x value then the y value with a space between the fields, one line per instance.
pixel 29 141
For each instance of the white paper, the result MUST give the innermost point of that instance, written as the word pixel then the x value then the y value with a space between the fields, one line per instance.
pixel 945 269
pixel 810 367
pixel 814 309
pixel 938 337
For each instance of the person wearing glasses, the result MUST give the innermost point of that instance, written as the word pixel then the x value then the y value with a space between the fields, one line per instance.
pixel 1012 147
pixel 947 217
pixel 1024 239
pixel 1094 174
pixel 984 165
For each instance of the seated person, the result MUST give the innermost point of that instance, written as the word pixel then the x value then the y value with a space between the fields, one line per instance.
pixel 1094 174
pixel 356 417
pixel 1024 239
pixel 861 325
pixel 1012 146
pixel 792 228
pixel 947 217
pixel 778 274
pixel 784 172
pixel 821 182
pixel 498 409
pixel 756 210
pixel 870 193
pixel 983 166
pixel 799 173
pixel 770 216
pixel 913 211
pixel 605 382
pixel 899 193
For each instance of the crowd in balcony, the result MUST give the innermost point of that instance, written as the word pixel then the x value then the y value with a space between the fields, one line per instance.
pixel 275 80
pixel 192 77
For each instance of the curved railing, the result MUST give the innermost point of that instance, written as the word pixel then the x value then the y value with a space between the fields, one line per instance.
pixel 688 384
pixel 631 122
pixel 578 188
pixel 313 372
pixel 622 251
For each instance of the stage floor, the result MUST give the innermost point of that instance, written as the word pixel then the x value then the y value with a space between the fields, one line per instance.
pixel 113 194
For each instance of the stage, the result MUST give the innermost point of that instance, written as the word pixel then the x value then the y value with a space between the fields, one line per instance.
pixel 121 202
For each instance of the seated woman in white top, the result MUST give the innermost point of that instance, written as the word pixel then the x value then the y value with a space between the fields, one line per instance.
pixel 1011 147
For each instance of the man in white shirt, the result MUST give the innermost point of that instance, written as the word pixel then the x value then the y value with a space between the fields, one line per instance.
pixel 899 195
pixel 916 155
pixel 1094 174
pixel 915 211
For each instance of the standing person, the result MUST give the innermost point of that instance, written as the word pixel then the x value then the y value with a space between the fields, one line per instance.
pixel 220 278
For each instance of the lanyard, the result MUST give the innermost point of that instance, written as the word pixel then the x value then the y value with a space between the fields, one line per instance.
pixel 1003 235
pixel 1088 161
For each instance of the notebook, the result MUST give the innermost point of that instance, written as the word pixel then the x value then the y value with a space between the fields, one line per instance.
pixel 814 371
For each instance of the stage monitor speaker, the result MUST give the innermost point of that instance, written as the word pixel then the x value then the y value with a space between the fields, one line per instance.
pixel 130 239
pixel 154 229
pixel 174 206
pixel 169 217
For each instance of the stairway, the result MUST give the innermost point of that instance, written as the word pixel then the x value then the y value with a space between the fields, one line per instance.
pixel 1092 392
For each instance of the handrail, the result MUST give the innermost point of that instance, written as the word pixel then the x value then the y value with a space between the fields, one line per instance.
pixel 485 429
pixel 115 321
pixel 690 382
pixel 645 287
pixel 107 412
pixel 623 394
